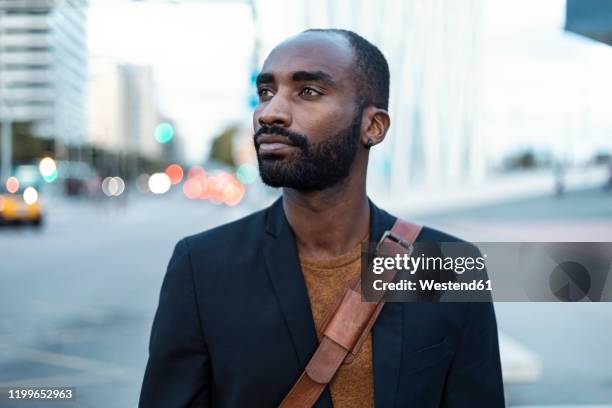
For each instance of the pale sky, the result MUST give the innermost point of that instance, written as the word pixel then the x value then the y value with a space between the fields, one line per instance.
pixel 538 85
pixel 200 54
pixel 541 85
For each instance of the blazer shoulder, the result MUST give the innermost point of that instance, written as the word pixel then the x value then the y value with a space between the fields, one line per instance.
pixel 432 235
pixel 245 230
pixel 429 234
pixel 382 220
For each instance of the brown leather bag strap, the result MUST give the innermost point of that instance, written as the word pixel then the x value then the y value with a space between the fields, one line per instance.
pixel 346 329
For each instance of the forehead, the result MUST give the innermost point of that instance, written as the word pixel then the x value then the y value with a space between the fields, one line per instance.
pixel 328 52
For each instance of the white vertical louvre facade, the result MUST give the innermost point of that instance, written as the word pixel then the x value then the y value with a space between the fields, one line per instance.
pixel 123 108
pixel 433 53
pixel 43 66
pixel 139 115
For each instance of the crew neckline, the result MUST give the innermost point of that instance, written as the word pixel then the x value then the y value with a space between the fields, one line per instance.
pixel 337 262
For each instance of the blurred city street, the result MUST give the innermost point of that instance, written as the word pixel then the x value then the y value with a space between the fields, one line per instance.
pixel 78 295
pixel 126 125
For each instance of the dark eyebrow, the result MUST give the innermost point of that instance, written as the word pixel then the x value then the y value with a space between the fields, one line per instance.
pixel 299 76
pixel 264 78
pixel 315 76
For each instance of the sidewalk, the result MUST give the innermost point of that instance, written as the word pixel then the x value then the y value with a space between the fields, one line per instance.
pixel 493 190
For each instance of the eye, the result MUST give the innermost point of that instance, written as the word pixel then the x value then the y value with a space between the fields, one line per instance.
pixel 264 93
pixel 309 91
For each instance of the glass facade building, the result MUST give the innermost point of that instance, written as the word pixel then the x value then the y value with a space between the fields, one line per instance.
pixel 43 66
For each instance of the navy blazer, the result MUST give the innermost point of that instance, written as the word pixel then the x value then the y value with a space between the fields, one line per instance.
pixel 234 328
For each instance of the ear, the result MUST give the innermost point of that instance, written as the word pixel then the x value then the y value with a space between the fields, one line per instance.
pixel 375 123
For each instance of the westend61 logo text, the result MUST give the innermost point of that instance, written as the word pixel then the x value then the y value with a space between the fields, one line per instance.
pixel 428 263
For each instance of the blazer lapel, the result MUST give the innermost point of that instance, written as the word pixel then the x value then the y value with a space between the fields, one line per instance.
pixel 283 264
pixel 387 331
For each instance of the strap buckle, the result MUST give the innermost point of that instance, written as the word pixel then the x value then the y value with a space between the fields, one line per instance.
pixel 396 238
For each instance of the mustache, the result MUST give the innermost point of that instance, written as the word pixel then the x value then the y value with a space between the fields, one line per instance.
pixel 297 139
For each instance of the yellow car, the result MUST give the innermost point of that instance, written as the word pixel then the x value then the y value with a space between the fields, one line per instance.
pixel 15 208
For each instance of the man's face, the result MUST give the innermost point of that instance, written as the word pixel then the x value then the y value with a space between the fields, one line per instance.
pixel 307 123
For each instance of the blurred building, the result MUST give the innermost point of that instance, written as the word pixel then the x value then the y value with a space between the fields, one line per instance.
pixel 591 18
pixel 104 107
pixel 43 66
pixel 139 113
pixel 123 109
pixel 433 52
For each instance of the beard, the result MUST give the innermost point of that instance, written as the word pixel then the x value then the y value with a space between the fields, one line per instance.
pixel 314 166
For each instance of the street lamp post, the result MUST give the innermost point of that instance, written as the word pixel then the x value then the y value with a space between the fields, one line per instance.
pixel 7 129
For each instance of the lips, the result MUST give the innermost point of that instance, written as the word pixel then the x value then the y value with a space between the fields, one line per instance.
pixel 273 144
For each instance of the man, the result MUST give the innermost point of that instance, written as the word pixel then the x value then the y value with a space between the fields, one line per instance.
pixel 241 304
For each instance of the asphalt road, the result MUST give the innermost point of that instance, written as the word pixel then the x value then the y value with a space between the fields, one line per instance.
pixel 77 297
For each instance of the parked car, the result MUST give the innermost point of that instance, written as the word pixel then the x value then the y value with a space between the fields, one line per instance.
pixel 22 205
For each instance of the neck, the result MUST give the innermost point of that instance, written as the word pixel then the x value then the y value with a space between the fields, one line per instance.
pixel 330 222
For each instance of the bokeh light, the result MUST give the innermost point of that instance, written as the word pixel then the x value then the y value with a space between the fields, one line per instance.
pixel 12 184
pixel 113 186
pixel 215 189
pixel 120 186
pixel 30 195
pixel 192 188
pixel 219 188
pixel 159 183
pixel 51 177
pixel 164 132
pixel 197 171
pixel 204 189
pixel 142 183
pixel 105 189
pixel 222 187
pixel 175 173
pixel 246 173
pixel 47 167
pixel 232 194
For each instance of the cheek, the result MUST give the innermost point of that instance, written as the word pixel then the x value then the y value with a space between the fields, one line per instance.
pixel 322 122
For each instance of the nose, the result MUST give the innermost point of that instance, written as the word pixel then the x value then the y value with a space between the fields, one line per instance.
pixel 274 112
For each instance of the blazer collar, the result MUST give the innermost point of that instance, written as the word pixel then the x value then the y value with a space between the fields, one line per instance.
pixel 277 224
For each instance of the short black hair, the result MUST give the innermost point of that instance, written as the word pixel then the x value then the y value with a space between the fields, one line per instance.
pixel 372 70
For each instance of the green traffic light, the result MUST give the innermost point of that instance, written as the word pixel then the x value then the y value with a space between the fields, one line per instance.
pixel 164 132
